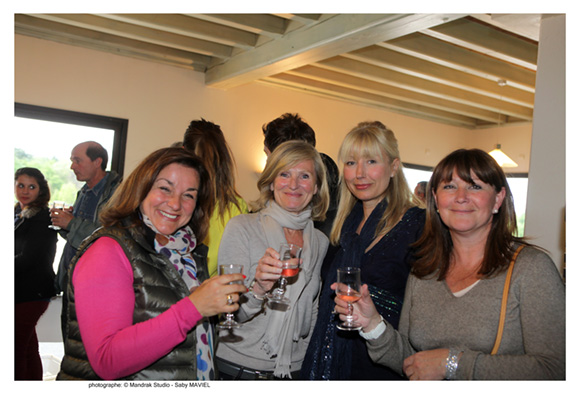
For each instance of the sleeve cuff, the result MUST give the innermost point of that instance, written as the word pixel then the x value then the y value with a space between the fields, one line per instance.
pixel 375 332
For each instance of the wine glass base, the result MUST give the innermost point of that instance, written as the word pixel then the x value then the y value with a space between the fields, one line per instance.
pixel 228 326
pixel 344 327
pixel 279 304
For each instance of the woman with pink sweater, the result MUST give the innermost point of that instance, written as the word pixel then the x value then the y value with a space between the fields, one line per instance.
pixel 139 293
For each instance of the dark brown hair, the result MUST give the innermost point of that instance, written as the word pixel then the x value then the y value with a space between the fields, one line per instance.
pixel 435 246
pixel 132 191
pixel 206 140
pixel 96 150
pixel 285 128
pixel 43 189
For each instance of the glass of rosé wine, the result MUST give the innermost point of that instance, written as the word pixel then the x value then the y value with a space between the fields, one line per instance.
pixel 348 289
pixel 290 255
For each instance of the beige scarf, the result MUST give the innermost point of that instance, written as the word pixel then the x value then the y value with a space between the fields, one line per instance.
pixel 285 327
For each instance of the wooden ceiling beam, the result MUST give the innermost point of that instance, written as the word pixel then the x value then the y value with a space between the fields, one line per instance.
pixel 339 34
pixel 489 40
pixel 76 36
pixel 267 24
pixel 407 64
pixel 141 33
pixel 461 59
pixel 365 98
pixel 364 85
pixel 418 85
pixel 191 26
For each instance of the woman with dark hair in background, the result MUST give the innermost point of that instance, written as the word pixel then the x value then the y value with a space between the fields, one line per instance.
pixel 206 140
pixel 139 293
pixel 34 250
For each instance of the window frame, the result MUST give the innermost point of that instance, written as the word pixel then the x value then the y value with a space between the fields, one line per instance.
pixel 118 125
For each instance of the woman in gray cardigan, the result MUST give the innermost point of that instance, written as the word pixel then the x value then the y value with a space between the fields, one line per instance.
pixel 271 343
pixel 453 298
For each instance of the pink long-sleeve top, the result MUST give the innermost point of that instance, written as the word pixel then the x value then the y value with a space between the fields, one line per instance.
pixel 104 298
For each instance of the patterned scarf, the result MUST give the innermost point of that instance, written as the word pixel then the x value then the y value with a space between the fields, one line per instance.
pixel 177 248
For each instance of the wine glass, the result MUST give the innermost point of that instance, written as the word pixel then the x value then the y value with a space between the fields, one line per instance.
pixel 290 255
pixel 56 205
pixel 348 289
pixel 225 269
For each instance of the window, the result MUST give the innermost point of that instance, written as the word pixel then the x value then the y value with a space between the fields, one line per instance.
pixel 40 131
pixel 46 137
pixel 415 174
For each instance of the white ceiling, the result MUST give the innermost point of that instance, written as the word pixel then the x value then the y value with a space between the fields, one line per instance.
pixel 472 71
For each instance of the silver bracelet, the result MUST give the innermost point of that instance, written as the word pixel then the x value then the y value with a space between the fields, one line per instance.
pixel 251 288
pixel 260 298
pixel 451 365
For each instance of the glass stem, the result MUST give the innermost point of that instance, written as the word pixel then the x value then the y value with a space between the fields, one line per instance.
pixel 282 285
pixel 349 316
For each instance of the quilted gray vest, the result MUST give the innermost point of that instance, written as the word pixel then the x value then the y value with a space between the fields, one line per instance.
pixel 157 287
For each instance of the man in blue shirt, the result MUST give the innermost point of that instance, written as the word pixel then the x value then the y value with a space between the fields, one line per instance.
pixel 89 162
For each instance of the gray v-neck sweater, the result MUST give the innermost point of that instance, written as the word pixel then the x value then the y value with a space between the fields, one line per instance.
pixel 533 344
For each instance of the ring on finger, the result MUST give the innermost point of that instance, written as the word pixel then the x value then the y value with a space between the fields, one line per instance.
pixel 230 299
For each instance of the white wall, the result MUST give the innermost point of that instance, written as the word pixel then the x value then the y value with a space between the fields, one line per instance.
pixel 546 205
pixel 160 100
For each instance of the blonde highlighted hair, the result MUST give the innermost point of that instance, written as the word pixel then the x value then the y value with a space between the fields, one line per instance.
pixel 371 140
pixel 286 156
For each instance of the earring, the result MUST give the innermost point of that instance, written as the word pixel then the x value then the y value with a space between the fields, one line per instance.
pixel 495 211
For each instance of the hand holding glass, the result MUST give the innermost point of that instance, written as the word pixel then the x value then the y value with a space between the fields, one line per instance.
pixel 225 269
pixel 348 289
pixel 60 206
pixel 290 255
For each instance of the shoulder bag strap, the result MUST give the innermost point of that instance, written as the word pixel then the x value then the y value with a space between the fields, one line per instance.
pixel 506 289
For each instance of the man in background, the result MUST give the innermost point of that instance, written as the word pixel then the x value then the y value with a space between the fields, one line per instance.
pixel 89 162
